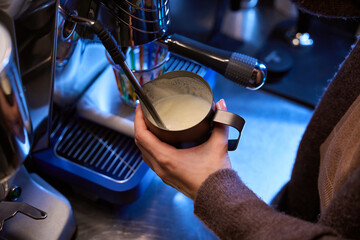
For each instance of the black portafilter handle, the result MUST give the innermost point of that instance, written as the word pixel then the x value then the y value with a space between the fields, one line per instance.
pixel 239 68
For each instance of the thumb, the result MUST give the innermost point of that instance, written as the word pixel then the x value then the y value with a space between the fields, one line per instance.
pixel 221 105
pixel 220 131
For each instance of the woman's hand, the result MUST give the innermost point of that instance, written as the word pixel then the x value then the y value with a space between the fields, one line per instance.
pixel 183 169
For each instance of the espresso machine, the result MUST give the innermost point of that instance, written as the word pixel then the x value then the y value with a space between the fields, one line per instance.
pixel 64 68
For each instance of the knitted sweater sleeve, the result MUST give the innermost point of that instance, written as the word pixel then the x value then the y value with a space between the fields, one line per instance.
pixel 233 211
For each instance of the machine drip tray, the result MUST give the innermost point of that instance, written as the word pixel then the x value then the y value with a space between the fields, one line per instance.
pixel 94 160
pixel 94 157
pixel 97 148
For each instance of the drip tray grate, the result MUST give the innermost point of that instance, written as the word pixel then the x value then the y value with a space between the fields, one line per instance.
pixel 178 63
pixel 97 148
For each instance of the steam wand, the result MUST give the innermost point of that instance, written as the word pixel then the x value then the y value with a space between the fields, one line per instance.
pixel 119 58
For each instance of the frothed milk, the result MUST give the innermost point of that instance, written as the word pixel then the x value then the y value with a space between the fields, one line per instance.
pixel 180 112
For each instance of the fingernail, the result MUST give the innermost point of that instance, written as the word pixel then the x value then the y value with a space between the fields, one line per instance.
pixel 221 104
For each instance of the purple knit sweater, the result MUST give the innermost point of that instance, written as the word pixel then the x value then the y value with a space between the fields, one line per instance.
pixel 233 211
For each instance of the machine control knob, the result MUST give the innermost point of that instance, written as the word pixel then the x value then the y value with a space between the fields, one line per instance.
pixel 14 193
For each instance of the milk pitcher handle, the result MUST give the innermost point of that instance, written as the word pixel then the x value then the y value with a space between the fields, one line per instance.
pixel 232 120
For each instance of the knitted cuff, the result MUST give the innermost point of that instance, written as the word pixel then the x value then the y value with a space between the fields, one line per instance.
pixel 222 185
pixel 223 202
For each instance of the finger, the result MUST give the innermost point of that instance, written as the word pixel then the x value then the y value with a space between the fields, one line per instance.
pixel 146 157
pixel 150 160
pixel 139 122
pixel 146 138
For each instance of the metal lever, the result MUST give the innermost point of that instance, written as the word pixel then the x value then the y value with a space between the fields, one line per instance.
pixel 239 68
pixel 10 209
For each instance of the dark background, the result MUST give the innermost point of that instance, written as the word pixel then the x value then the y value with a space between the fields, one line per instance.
pixel 307 69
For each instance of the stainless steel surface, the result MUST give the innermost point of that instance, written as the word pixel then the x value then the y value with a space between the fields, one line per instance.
pixel 37 194
pixel 15 124
pixel 35 39
pixel 259 75
pixel 75 76
pixel 74 18
pixel 4 188
pixel 131 22
pixel 10 209
pixel 14 7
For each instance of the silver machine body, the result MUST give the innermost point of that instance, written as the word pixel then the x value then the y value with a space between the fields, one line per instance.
pixel 131 22
pixel 28 204
pixel 15 124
